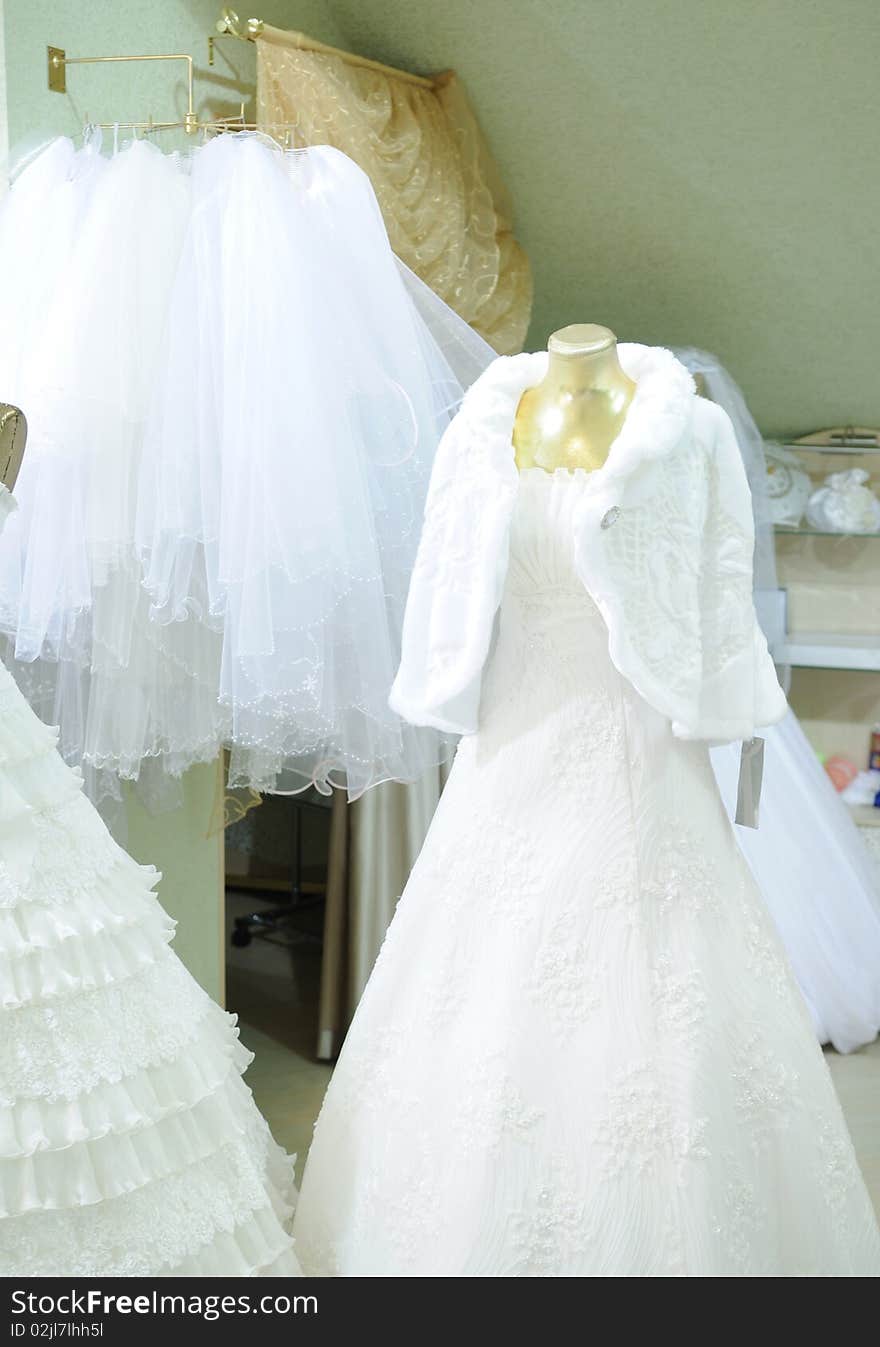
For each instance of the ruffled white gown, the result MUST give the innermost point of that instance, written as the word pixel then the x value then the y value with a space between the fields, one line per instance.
pixel 581 1052
pixel 129 1143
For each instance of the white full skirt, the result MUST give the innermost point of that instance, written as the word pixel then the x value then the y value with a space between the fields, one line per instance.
pixel 129 1144
pixel 581 1052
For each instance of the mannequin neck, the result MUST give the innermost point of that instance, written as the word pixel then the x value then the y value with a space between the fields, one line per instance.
pixel 573 416
pixel 589 374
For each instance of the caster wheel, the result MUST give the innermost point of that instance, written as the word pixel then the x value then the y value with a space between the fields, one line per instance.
pixel 241 938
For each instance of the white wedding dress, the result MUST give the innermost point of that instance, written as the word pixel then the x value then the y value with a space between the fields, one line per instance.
pixel 581 1052
pixel 129 1144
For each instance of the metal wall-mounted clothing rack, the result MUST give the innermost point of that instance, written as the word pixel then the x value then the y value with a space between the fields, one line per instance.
pixel 58 61
pixel 228 25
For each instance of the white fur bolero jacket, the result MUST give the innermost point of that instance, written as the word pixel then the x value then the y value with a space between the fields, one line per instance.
pixel 663 545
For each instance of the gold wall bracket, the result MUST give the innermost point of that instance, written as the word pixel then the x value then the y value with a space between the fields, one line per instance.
pixel 57 58
pixel 58 61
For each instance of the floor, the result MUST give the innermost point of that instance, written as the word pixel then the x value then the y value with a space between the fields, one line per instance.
pixel 857 1077
pixel 275 992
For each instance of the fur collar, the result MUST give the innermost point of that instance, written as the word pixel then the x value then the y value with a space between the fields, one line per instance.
pixel 657 419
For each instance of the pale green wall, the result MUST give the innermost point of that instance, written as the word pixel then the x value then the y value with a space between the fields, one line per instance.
pixel 177 843
pixel 686 171
pixel 4 123
pixel 189 854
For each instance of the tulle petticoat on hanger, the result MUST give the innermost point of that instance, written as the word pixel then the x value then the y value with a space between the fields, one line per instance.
pixel 235 392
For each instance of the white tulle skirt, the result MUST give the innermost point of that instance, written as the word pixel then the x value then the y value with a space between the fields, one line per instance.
pixel 817 881
pixel 234 393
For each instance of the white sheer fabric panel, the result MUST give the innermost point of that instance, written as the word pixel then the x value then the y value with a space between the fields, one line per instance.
pixel 234 397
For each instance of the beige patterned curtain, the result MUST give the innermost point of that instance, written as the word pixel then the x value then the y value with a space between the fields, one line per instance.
pixel 444 206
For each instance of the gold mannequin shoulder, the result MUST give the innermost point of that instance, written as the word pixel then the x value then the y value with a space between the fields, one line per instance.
pixel 573 416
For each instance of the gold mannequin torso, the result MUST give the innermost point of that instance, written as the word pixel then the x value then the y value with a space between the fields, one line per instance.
pixel 574 415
